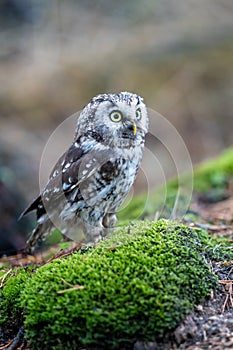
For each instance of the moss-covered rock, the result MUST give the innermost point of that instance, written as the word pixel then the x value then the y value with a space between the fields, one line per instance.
pixel 133 286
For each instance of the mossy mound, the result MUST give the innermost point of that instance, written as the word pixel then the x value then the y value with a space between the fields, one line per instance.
pixel 134 286
pixel 214 173
pixel 211 174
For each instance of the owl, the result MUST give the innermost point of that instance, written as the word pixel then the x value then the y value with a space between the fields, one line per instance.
pixel 92 178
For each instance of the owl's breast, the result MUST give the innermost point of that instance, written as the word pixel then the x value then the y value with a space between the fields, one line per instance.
pixel 117 178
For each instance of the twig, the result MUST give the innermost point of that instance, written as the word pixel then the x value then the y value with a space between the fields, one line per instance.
pixel 72 287
pixel 225 303
pixel 229 288
pixel 4 277
pixel 229 272
pixel 67 283
pixel 77 287
pixel 230 293
pixel 64 253
pixel 13 344
pixel 6 345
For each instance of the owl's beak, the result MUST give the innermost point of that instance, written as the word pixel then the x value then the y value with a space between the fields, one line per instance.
pixel 134 128
pixel 130 129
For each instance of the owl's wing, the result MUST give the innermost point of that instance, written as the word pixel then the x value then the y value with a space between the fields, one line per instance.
pixel 73 167
pixel 67 165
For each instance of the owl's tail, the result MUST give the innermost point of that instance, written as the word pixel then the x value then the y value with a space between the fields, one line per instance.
pixel 40 233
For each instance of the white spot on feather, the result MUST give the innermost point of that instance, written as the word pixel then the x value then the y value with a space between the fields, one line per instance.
pixel 67 165
pixel 42 219
pixel 65 186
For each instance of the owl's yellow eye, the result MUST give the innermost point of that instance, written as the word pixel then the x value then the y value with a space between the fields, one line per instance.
pixel 116 116
pixel 138 114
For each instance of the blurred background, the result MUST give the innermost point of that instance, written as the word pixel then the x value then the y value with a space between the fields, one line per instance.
pixel 56 55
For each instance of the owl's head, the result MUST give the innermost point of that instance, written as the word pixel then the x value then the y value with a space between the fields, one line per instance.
pixel 118 120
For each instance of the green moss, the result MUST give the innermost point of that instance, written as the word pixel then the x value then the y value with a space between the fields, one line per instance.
pixel 10 302
pixel 135 285
pixel 214 173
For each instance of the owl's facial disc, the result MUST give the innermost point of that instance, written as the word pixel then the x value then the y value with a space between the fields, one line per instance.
pixel 116 120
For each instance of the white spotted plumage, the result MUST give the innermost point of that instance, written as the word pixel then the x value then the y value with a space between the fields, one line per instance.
pixel 92 178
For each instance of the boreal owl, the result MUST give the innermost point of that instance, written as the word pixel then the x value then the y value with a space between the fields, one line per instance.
pixel 92 178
